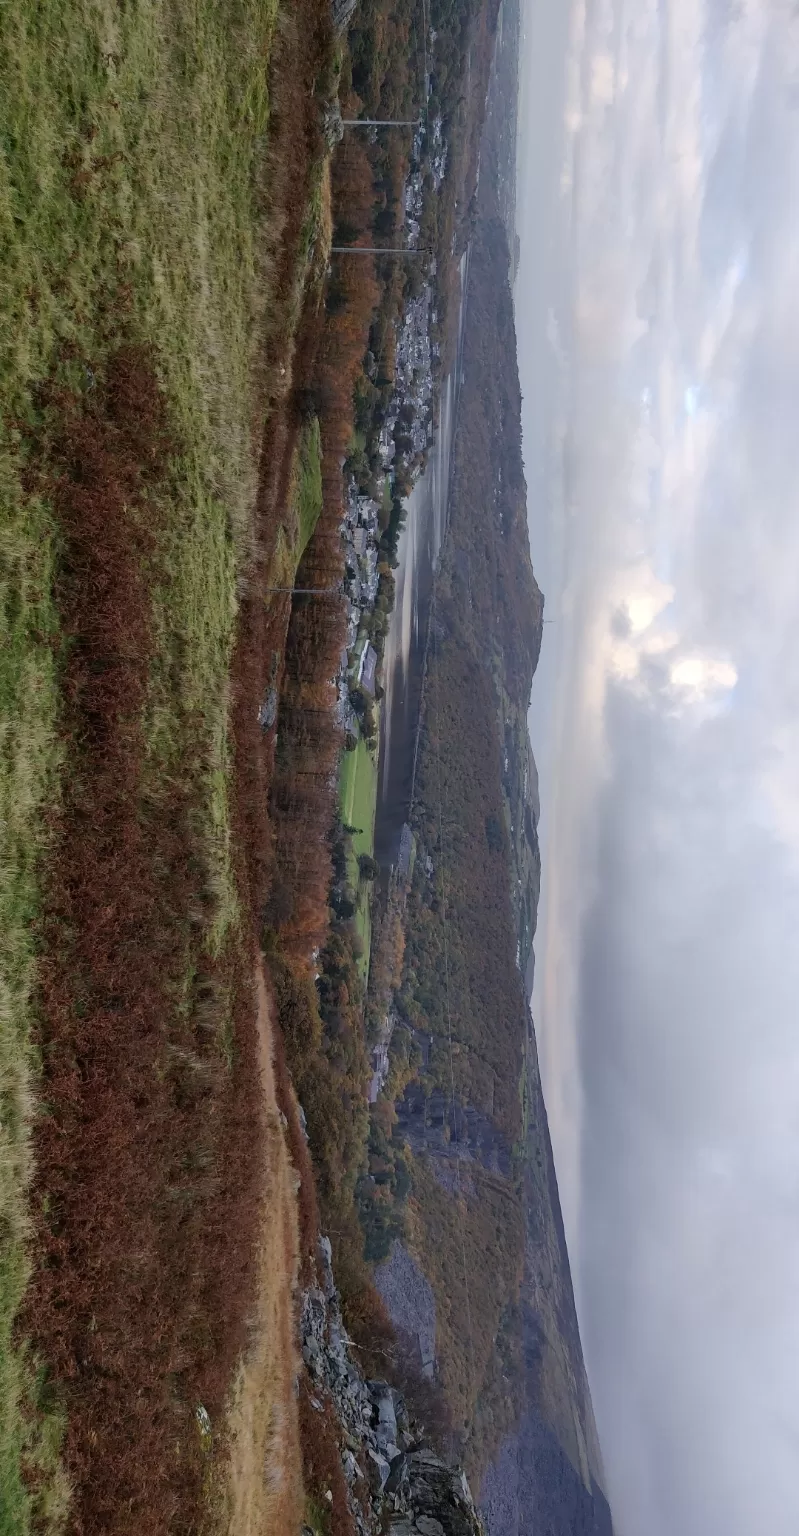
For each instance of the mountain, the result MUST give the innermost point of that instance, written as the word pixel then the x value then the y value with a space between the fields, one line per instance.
pixel 485 1232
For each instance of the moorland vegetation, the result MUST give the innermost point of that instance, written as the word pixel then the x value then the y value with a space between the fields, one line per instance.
pixel 163 226
pixel 183 380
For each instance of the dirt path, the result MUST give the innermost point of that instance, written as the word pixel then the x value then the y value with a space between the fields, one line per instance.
pixel 264 1494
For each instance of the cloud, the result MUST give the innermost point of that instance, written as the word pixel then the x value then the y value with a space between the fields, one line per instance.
pixel 779 782
pixel 690 1165
pixel 699 678
pixel 668 971
pixel 603 79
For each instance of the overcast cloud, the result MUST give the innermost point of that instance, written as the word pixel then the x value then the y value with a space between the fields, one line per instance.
pixel 667 979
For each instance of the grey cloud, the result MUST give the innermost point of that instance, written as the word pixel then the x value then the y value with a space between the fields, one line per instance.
pixel 671 861
pixel 689 977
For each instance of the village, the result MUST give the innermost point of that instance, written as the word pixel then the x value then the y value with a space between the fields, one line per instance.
pixel 414 395
pixel 412 409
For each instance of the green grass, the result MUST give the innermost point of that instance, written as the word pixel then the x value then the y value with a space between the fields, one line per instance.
pixel 132 199
pixel 303 507
pixel 358 803
pixel 317 1517
pixel 309 484
pixel 358 795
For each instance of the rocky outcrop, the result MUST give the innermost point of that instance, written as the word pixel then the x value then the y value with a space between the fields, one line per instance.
pixel 396 1484
pixel 342 12
pixel 427 1498
pixel 332 126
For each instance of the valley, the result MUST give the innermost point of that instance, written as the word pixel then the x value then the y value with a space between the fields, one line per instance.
pixel 281 1245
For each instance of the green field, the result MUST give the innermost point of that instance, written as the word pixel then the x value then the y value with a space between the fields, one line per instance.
pixel 308 494
pixel 133 207
pixel 358 802
pixel 303 506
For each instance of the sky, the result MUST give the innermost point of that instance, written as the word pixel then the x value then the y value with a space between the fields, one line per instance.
pixel 658 320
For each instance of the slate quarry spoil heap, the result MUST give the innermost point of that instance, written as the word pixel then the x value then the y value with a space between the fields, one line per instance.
pixel 396 1484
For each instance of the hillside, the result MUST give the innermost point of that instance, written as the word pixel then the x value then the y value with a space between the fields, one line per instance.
pixel 165 221
pixel 483 1226
pixel 200 391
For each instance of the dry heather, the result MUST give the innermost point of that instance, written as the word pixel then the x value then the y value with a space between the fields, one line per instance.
pixel 147 1181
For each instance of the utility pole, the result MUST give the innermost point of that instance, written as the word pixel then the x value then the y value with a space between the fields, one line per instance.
pixel 307 591
pixel 376 250
pixel 381 122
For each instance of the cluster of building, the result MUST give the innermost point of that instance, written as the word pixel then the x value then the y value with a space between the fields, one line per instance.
pixel 415 350
pixel 360 535
pixel 414 186
pixel 414 383
pixel 414 386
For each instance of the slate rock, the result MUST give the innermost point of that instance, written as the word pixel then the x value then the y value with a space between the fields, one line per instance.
pixel 425 1487
pixel 342 13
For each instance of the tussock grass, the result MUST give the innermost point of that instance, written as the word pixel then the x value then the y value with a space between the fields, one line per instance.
pixel 28 759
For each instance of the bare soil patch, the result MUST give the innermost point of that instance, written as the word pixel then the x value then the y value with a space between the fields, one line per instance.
pixel 264 1491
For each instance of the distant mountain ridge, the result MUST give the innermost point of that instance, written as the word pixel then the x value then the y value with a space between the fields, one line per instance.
pixel 548 1474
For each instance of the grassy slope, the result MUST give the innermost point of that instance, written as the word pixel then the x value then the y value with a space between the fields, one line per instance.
pixel 309 486
pixel 303 506
pixel 358 801
pixel 133 140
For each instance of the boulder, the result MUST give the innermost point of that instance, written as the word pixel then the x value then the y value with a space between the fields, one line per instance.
pixel 433 1497
pixel 267 714
pixel 332 126
pixel 325 1251
pixel 384 1413
pixel 342 11
pixel 378 1469
pixel 406 1492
